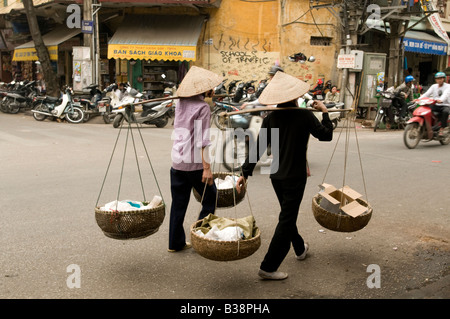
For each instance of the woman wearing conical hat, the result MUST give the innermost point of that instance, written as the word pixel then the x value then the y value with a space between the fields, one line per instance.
pixel 190 164
pixel 287 132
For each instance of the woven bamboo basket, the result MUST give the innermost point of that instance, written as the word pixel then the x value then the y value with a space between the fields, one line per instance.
pixel 340 222
pixel 225 197
pixel 130 224
pixel 224 250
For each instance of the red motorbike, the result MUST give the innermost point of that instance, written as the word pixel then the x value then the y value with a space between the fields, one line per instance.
pixel 424 125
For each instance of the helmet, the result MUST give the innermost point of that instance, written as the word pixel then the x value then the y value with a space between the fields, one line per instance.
pixel 274 69
pixel 439 75
pixel 409 78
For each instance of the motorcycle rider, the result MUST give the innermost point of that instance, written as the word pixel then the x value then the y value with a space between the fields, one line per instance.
pixel 441 93
pixel 402 92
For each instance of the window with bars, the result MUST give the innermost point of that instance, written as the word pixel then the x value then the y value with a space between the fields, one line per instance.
pixel 321 41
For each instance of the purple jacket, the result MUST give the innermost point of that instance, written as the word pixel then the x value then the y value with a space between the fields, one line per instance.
pixel 191 133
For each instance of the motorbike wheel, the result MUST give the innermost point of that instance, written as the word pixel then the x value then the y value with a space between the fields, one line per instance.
pixel 40 107
pixel 106 118
pixel 446 139
pixel 412 135
pixel 4 106
pixel 76 116
pixel 118 120
pixel 162 122
pixel 220 121
pixel 378 118
pixel 230 147
pixel 335 123
pixel 14 108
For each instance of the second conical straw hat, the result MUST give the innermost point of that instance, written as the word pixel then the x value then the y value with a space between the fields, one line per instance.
pixel 197 81
pixel 283 88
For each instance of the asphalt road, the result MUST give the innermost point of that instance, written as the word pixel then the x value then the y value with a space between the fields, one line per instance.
pixel 50 179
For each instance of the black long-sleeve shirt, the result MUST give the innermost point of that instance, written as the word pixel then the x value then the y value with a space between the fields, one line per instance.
pixel 294 128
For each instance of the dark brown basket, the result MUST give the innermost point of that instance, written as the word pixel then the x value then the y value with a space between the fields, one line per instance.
pixel 225 197
pixel 130 224
pixel 224 250
pixel 340 222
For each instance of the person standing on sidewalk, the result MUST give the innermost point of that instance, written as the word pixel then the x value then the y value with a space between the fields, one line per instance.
pixel 190 161
pixel 288 171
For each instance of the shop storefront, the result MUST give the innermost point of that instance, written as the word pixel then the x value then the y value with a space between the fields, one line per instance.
pixel 59 43
pixel 425 54
pixel 147 48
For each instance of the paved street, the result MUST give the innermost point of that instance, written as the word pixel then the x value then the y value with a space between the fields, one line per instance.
pixel 50 180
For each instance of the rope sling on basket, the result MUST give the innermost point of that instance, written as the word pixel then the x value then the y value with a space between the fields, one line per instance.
pixel 226 250
pixel 342 210
pixel 130 223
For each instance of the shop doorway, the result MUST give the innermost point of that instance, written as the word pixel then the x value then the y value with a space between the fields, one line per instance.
pixel 425 69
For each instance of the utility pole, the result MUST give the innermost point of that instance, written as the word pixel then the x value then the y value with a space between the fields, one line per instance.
pixel 88 37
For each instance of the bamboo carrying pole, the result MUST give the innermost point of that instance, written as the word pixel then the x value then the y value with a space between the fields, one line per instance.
pixel 168 98
pixel 262 109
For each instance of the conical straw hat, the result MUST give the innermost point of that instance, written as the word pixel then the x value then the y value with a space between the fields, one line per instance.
pixel 197 81
pixel 283 88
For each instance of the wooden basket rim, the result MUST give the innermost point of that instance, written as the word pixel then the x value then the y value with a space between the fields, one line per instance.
pixel 366 204
pixel 154 209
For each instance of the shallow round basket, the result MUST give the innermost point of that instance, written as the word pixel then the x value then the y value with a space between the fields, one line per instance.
pixel 225 197
pixel 340 222
pixel 224 250
pixel 130 224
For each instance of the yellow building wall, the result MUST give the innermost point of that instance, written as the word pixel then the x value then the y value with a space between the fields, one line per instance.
pixel 297 24
pixel 243 39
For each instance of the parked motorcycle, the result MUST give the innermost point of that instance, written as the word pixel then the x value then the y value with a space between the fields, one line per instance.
pixel 387 105
pixel 424 125
pixel 21 97
pixel 335 117
pixel 317 92
pixel 220 91
pixel 5 89
pixel 95 104
pixel 236 146
pixel 59 108
pixel 221 122
pixel 260 88
pixel 154 113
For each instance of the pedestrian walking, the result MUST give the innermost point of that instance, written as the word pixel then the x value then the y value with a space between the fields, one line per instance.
pixel 288 170
pixel 190 161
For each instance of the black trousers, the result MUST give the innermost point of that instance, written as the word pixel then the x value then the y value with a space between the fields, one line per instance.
pixel 290 195
pixel 181 184
pixel 443 113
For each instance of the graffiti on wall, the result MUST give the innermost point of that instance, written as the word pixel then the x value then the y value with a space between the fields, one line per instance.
pixel 231 44
pixel 244 57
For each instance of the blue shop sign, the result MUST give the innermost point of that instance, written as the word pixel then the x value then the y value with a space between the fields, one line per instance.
pixel 427 47
pixel 87 26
